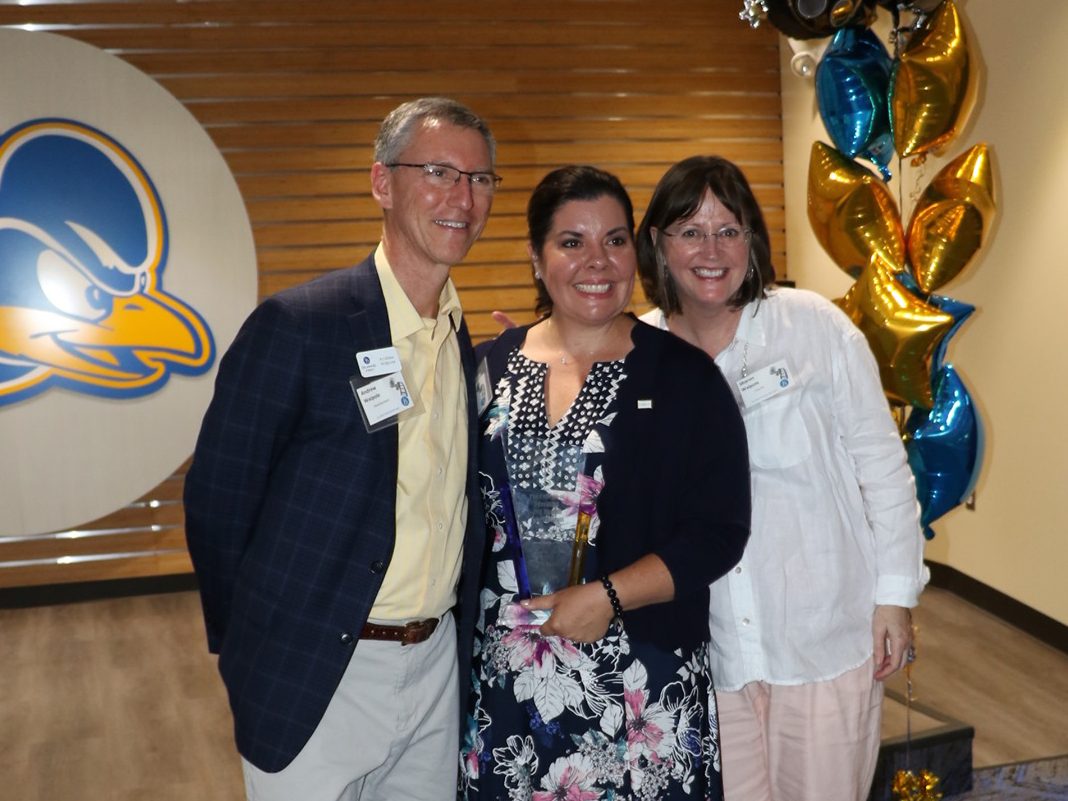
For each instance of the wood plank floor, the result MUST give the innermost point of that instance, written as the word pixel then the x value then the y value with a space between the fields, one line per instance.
pixel 977 669
pixel 118 700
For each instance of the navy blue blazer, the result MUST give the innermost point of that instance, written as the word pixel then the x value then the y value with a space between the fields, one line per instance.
pixel 290 508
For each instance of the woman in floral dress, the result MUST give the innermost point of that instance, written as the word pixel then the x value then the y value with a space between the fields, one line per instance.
pixel 615 483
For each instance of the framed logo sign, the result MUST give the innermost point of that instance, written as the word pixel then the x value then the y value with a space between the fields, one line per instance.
pixel 126 265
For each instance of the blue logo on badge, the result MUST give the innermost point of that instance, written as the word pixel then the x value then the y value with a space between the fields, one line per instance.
pixel 83 248
pixel 398 386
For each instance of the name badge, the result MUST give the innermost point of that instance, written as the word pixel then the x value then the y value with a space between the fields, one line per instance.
pixel 381 361
pixel 765 383
pixel 383 398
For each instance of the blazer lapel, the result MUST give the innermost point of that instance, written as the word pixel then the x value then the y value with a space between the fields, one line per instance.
pixel 369 321
pixel 369 327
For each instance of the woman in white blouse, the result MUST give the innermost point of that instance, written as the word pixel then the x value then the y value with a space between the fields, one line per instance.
pixel 815 617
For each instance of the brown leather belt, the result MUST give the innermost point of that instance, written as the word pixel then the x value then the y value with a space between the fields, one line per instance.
pixel 408 634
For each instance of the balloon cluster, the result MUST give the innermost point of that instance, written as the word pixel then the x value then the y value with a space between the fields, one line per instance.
pixel 875 106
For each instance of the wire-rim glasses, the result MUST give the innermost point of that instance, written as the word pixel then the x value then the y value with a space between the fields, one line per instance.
pixel 446 177
pixel 729 237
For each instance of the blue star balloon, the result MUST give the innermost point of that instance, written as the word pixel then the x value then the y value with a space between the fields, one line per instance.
pixel 960 311
pixel 852 86
pixel 945 448
pixel 957 309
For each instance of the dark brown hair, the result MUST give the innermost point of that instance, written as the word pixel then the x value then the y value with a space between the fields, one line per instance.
pixel 562 185
pixel 677 197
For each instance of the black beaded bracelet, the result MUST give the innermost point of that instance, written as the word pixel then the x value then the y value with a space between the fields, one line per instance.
pixel 613 596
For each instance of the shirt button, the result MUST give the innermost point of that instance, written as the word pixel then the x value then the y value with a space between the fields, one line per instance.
pixel 345 638
pixel 738 569
pixel 378 566
pixel 441 526
pixel 745 621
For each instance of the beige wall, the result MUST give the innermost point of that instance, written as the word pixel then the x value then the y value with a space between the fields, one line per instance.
pixel 1012 353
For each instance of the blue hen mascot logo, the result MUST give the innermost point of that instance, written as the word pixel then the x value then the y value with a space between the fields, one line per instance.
pixel 83 247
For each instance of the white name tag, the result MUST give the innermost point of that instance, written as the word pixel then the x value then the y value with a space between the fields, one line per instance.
pixel 765 383
pixel 383 398
pixel 378 362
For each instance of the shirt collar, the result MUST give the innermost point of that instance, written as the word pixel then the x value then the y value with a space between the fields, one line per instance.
pixel 404 320
pixel 449 305
pixel 751 323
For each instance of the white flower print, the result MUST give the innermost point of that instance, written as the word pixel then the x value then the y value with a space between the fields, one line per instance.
pixel 569 779
pixel 543 667
pixel 612 719
pixel 518 763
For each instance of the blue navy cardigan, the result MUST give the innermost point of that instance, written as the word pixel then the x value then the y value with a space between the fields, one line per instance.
pixel 676 477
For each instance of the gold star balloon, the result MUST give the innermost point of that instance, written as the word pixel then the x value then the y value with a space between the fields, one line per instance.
pixel 851 211
pixel 902 330
pixel 951 219
pixel 932 87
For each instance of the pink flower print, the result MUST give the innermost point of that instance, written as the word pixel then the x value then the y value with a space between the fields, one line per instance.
pixel 650 727
pixel 588 489
pixel 527 648
pixel 570 778
pixel 583 498
pixel 470 764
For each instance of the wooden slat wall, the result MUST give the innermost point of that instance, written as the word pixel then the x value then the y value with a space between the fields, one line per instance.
pixel 292 93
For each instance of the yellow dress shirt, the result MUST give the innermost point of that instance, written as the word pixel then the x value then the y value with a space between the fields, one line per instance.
pixel 432 467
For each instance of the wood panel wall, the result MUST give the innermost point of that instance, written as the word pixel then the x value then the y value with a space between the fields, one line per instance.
pixel 292 93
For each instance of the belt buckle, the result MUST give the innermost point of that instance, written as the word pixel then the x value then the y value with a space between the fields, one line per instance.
pixel 415 631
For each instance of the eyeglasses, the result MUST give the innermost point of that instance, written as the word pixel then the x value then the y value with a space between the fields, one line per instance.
pixel 444 177
pixel 729 237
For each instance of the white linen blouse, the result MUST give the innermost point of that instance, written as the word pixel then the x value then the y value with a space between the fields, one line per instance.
pixel 835 527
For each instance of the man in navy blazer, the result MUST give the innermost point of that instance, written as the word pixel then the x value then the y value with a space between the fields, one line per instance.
pixel 332 508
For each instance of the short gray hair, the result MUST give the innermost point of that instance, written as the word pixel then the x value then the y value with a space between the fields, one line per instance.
pixel 399 125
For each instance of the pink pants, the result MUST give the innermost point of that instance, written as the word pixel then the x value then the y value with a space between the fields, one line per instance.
pixel 808 742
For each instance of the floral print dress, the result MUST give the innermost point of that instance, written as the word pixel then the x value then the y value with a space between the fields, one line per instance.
pixel 549 718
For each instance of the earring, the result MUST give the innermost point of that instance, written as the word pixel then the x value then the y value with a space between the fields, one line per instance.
pixel 537 275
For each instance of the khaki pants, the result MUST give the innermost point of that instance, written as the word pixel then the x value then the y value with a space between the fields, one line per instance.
pixel 390 732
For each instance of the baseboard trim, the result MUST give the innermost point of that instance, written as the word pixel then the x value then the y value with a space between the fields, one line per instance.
pixel 52 594
pixel 1050 631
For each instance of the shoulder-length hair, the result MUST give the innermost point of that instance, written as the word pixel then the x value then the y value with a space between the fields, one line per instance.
pixel 676 198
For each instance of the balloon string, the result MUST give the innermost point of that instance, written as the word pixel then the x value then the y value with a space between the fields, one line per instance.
pixel 897 411
pixel 908 717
